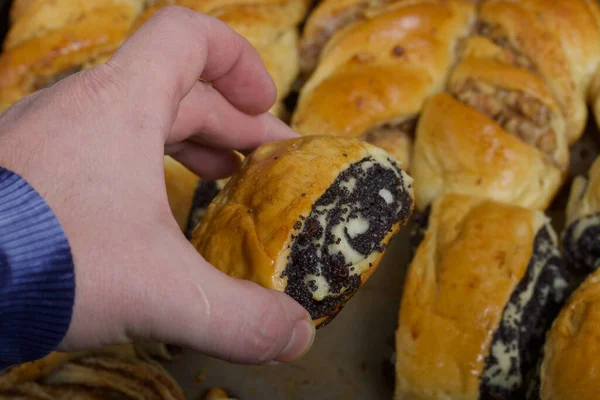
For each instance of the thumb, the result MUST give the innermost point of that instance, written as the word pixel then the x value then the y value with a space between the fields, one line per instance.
pixel 202 308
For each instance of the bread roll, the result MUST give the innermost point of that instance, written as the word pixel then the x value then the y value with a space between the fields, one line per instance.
pixel 571 354
pixel 375 73
pixel 50 40
pixel 581 238
pixel 310 217
pixel 271 26
pixel 482 289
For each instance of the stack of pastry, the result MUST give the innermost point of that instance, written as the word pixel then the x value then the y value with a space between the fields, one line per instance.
pixel 480 100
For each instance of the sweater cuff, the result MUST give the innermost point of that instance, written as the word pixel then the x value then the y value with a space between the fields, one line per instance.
pixel 37 276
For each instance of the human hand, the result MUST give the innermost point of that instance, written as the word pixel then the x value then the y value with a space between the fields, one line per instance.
pixel 93 146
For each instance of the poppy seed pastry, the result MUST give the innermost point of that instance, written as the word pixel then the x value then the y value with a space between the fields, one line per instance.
pixel 483 288
pixel 310 217
pixel 581 238
pixel 569 369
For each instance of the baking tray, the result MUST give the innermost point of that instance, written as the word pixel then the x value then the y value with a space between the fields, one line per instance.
pixel 350 359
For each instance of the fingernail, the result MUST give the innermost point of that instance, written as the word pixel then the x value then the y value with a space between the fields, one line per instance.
pixel 300 342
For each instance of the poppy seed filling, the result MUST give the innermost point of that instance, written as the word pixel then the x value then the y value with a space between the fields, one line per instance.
pixel 346 226
pixel 529 313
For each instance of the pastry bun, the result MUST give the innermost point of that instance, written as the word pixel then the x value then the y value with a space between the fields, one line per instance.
pixel 310 217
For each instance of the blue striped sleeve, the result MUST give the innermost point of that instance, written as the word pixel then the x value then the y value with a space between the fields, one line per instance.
pixel 37 277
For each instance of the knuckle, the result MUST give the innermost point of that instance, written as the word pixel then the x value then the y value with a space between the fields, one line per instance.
pixel 96 84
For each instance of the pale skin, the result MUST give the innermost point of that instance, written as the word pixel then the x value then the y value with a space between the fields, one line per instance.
pixel 93 145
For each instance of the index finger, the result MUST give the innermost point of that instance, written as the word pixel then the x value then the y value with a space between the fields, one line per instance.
pixel 177 46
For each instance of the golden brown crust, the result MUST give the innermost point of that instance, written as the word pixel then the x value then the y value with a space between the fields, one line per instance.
pixel 460 150
pixel 561 41
pixel 75 38
pixel 362 83
pixel 473 255
pixel 328 17
pixel 571 353
pixel 181 185
pixel 247 229
pixel 527 102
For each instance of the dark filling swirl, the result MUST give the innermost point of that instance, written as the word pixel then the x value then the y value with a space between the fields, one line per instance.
pixel 325 245
pixel 532 307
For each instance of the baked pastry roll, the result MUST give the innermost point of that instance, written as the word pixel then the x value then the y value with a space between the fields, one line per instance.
pixel 119 372
pixel 483 288
pixel 571 361
pixel 375 73
pixel 51 40
pixel 581 238
pixel 461 150
pixel 310 217
pixel 271 26
pixel 558 40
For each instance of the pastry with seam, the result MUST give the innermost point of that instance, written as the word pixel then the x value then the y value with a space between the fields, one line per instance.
pixel 374 73
pixel 310 217
pixel 514 102
pixel 484 286
pixel 581 237
pixel 50 40
pixel 571 361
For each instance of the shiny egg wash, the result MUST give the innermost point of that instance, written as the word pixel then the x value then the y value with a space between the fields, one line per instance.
pixel 335 244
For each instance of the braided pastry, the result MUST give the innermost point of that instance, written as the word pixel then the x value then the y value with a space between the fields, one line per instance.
pixel 514 88
pixel 375 73
pixel 50 40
